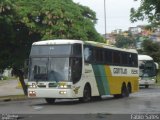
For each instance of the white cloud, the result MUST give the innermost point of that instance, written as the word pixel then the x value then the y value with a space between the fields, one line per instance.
pixel 117 13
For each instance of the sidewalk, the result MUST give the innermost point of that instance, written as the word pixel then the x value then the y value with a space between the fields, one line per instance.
pixel 9 90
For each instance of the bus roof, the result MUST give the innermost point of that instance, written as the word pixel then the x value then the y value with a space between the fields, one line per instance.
pixel 69 41
pixel 57 41
pixel 144 57
pixel 103 45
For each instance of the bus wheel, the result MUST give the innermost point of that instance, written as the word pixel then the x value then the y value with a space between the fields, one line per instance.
pixel 86 94
pixel 129 88
pixel 50 100
pixel 96 98
pixel 146 86
pixel 124 91
pixel 117 96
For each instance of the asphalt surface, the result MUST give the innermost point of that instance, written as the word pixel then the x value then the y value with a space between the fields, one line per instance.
pixel 143 102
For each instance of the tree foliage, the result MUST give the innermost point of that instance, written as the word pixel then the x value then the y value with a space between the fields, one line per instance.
pixel 148 10
pixel 124 42
pixel 152 49
pixel 58 19
pixel 23 22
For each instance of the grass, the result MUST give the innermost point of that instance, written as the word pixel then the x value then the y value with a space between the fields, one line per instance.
pixel 8 78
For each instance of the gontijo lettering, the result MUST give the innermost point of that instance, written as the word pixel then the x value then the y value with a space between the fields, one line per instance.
pixel 120 71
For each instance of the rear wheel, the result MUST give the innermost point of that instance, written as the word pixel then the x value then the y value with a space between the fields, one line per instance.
pixel 129 88
pixel 86 94
pixel 50 100
pixel 124 92
pixel 146 86
pixel 117 96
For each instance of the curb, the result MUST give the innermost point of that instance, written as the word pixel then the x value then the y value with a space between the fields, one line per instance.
pixel 12 98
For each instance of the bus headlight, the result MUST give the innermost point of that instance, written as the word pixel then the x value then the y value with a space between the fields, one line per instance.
pixel 33 86
pixel 64 86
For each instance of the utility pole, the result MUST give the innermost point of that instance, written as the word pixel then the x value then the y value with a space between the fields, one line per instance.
pixel 105 18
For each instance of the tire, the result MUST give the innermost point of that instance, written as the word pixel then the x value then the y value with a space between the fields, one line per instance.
pixel 129 88
pixel 146 86
pixel 86 94
pixel 50 100
pixel 117 96
pixel 124 92
pixel 96 98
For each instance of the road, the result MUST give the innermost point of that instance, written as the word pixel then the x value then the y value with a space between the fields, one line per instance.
pixel 146 101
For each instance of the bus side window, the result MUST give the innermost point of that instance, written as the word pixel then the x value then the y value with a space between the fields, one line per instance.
pixel 108 57
pixel 133 60
pixel 98 53
pixel 76 69
pixel 124 59
pixel 77 50
pixel 116 57
pixel 88 54
pixel 130 59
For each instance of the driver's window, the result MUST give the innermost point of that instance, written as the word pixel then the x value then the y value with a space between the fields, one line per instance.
pixel 76 69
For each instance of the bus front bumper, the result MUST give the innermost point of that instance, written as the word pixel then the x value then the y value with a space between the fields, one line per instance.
pixel 51 93
pixel 147 82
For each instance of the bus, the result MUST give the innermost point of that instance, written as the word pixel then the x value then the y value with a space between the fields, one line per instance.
pixel 84 70
pixel 147 70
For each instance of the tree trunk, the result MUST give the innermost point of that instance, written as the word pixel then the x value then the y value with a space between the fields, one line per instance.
pixel 24 86
pixel 20 74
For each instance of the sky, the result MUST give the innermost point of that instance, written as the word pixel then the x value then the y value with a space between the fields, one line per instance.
pixel 117 14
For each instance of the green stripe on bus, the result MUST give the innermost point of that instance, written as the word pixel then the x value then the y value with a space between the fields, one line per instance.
pixel 101 79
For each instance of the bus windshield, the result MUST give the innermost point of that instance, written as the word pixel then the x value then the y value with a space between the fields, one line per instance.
pixel 147 69
pixel 50 50
pixel 49 69
pixel 55 62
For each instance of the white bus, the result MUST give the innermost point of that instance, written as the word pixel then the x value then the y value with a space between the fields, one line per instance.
pixel 147 71
pixel 84 70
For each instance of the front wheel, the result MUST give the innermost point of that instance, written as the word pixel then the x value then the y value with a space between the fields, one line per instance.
pixel 50 100
pixel 86 94
pixel 96 98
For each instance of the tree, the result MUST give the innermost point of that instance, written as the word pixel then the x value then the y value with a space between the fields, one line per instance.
pixel 152 49
pixel 59 19
pixel 15 40
pixel 148 10
pixel 23 22
pixel 124 42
